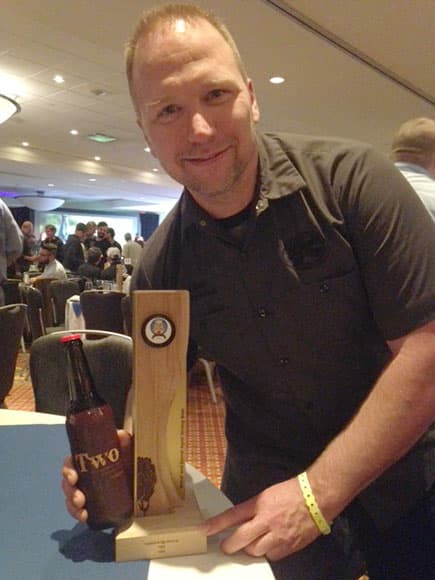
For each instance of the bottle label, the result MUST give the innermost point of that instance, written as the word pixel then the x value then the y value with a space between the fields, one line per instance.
pixel 86 462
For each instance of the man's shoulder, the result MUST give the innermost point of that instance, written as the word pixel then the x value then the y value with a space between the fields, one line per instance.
pixel 313 146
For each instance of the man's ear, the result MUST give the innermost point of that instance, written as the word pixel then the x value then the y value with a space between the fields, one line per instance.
pixel 254 105
pixel 140 124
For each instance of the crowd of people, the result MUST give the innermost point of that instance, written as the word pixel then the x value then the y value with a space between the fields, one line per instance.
pixel 91 252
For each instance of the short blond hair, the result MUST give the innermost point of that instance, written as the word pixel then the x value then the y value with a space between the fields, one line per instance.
pixel 152 20
pixel 415 142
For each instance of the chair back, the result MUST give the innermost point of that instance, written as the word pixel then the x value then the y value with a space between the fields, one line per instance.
pixel 11 290
pixel 12 321
pixel 60 291
pixel 127 314
pixel 110 361
pixel 43 284
pixel 33 298
pixel 102 310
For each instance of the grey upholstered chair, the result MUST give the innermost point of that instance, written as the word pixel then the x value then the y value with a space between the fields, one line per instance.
pixel 35 312
pixel 102 310
pixel 110 361
pixel 12 321
pixel 60 291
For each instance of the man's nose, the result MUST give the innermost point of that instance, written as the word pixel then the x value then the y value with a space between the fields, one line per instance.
pixel 200 127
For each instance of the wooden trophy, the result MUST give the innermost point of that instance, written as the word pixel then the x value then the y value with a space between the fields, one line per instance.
pixel 166 514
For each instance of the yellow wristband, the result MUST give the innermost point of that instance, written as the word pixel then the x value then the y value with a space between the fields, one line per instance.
pixel 310 501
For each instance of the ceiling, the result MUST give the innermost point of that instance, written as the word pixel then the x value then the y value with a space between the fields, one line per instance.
pixel 355 69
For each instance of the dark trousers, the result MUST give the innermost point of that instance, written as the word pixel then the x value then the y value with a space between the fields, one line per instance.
pixel 354 546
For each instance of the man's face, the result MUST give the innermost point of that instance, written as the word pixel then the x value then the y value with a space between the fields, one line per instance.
pixel 49 233
pixel 102 232
pixel 195 109
pixel 27 228
pixel 44 256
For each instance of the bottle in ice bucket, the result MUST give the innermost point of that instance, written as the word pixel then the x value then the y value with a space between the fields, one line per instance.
pixel 94 444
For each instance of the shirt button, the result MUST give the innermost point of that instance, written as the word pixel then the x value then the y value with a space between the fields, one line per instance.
pixel 324 288
pixel 262 313
pixel 283 361
pixel 202 223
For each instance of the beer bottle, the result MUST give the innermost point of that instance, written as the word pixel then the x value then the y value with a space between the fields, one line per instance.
pixel 94 444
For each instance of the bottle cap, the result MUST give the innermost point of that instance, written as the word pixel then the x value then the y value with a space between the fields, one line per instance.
pixel 70 337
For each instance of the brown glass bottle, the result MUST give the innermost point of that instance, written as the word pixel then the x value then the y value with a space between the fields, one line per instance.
pixel 94 445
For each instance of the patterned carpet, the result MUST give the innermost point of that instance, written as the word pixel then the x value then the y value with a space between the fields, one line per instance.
pixel 205 445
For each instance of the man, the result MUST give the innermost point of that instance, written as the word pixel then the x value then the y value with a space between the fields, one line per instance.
pixel 111 239
pixel 91 269
pixel 51 238
pixel 90 238
pixel 75 248
pixel 315 300
pixel 413 151
pixel 52 267
pixel 102 242
pixel 11 244
pixel 29 253
pixel 131 251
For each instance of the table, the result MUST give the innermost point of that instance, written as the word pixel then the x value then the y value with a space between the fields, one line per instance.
pixel 39 540
pixel 74 319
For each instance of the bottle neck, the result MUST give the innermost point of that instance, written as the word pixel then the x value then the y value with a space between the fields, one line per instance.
pixel 81 385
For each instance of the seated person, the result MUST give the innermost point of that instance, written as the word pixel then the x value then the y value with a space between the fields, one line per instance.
pixel 91 269
pixel 113 259
pixel 52 268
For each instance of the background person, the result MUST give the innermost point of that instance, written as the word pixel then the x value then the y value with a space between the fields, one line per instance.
pixel 11 244
pixel 131 250
pixel 52 268
pixel 51 238
pixel 413 151
pixel 75 251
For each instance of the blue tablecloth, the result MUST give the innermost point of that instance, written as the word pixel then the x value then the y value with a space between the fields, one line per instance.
pixel 38 539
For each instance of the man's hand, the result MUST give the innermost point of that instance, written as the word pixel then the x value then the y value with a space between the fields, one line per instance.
pixel 274 523
pixel 75 500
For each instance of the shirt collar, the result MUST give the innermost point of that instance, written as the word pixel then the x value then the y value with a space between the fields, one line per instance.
pixel 278 177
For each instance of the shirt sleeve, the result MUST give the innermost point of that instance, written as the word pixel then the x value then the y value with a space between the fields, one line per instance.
pixel 393 237
pixel 14 238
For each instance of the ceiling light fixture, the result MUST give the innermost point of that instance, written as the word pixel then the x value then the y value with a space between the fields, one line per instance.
pixel 277 80
pixel 39 202
pixel 74 132
pixel 25 143
pixel 101 138
pixel 8 108
pixel 97 158
pixel 58 79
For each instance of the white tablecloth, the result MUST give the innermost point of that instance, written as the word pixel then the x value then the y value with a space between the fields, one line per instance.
pixel 74 319
pixel 214 564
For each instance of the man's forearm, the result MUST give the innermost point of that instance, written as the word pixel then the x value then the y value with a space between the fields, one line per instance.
pixel 398 411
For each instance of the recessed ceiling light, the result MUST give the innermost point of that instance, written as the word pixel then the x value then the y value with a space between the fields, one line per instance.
pixel 50 184
pixel 58 79
pixel 155 170
pixel 74 132
pixel 277 80
pixel 147 150
pixel 92 179
pixel 101 138
pixel 97 158
pixel 25 143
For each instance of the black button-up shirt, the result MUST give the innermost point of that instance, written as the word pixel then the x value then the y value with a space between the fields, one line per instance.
pixel 337 256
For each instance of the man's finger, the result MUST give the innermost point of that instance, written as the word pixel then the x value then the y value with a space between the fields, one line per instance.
pixel 243 536
pixel 229 518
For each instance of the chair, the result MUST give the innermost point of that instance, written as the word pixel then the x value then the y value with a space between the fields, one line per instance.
pixel 102 310
pixel 12 321
pixel 35 313
pixel 60 291
pixel 110 361
pixel 11 290
pixel 42 284
pixel 127 315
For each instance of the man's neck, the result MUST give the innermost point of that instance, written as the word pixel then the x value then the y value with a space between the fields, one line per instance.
pixel 231 202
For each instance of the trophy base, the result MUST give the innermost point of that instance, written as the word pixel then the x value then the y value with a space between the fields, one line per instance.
pixel 163 536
